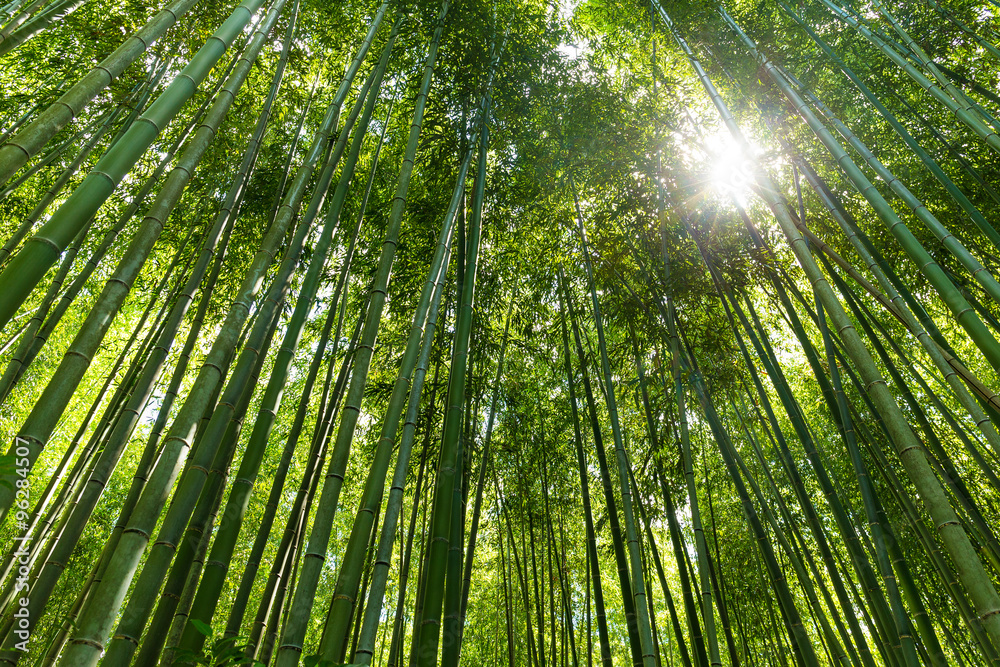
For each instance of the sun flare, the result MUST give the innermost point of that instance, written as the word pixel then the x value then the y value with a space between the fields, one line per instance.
pixel 730 166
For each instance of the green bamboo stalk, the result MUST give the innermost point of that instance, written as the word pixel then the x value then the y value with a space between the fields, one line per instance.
pixel 194 478
pixel 917 53
pixel 958 23
pixel 323 416
pixel 371 620
pixel 205 385
pixel 701 546
pixel 936 453
pixel 206 601
pixel 793 621
pixel 679 636
pixel 277 620
pixel 40 422
pixel 135 97
pixel 943 354
pixel 223 225
pixel 902 305
pixel 174 629
pixel 60 633
pixel 507 593
pixel 149 87
pixel 46 555
pixel 97 614
pixel 118 439
pixel 237 503
pixel 916 206
pixel 285 558
pixel 27 341
pixel 23 358
pixel 888 628
pixel 593 563
pixel 628 603
pixel 27 142
pixel 945 145
pixel 236 506
pixel 57 11
pixel 112 412
pixel 547 555
pixel 285 563
pixel 151 449
pixel 881 539
pixel 53 191
pixel 962 111
pixel 520 576
pixel 14 369
pixel 126 638
pixel 983 339
pixel 683 433
pixel 781 212
pixel 484 459
pixel 951 476
pixel 359 611
pixel 539 592
pixel 30 264
pixel 445 515
pixel 535 645
pixel 184 427
pixel 931 546
pixel 293 635
pixel 164 295
pixel 22 119
pixel 944 569
pixel 567 609
pixel 274 610
pixel 719 586
pixel 661 575
pixel 970 568
pixel 555 576
pixel 100 569
pixel 799 557
pixel 793 411
pixel 345 592
pixel 53 155
pixel 16 21
pixel 638 588
pixel 977 217
pixel 452 607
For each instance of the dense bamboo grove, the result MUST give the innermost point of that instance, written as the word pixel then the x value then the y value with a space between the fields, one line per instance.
pixel 500 333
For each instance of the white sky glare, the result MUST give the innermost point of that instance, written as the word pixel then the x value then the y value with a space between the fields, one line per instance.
pixel 568 50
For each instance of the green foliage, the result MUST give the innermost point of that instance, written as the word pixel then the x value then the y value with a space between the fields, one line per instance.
pixel 220 652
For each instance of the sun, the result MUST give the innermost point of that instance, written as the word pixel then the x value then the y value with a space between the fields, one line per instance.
pixel 730 166
pixel 730 176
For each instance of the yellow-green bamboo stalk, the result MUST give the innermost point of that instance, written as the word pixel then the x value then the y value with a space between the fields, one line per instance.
pixel 28 267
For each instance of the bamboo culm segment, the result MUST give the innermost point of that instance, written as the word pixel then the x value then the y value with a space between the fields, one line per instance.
pixel 969 566
pixel 28 141
pixel 293 636
pixel 29 266
pixel 42 420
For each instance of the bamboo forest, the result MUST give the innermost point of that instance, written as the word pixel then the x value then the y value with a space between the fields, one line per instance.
pixel 535 333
